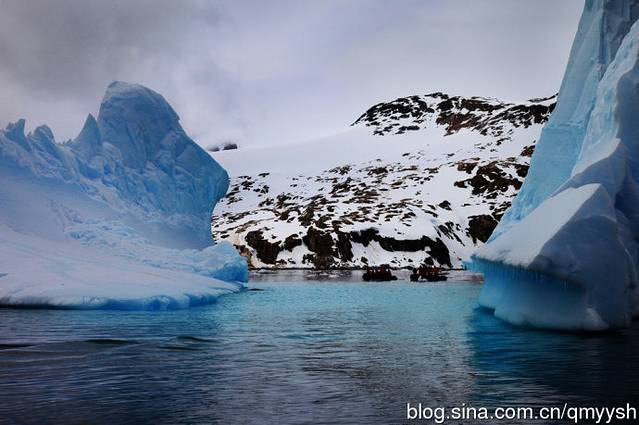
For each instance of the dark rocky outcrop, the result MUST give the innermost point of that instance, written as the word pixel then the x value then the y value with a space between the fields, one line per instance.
pixel 322 247
pixel 480 227
pixel 454 113
pixel 327 250
pixel 436 248
pixel 528 151
pixel 344 247
pixel 491 178
pixel 266 251
pixel 291 242
pixel 444 205
pixel 319 242
pixel 226 146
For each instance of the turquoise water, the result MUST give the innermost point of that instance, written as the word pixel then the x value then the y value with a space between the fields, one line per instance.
pixel 302 352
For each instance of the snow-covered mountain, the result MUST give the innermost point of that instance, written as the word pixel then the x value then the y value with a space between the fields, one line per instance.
pixel 420 178
pixel 117 218
pixel 565 255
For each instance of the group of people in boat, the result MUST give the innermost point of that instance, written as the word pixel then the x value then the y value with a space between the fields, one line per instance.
pixel 383 273
pixel 378 274
pixel 430 273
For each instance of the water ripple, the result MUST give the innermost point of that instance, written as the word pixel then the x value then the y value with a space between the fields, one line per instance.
pixel 320 352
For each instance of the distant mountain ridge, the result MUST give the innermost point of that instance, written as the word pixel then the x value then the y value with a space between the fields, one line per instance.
pixel 418 179
pixel 485 115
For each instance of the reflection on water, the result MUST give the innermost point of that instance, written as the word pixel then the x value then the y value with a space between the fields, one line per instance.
pixel 585 369
pixel 330 351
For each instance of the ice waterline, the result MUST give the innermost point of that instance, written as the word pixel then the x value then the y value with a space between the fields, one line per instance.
pixel 527 292
pixel 565 256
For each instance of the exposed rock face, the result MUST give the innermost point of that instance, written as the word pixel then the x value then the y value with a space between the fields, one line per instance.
pixel 227 146
pixel 291 242
pixel 436 249
pixel 488 117
pixel 491 179
pixel 480 227
pixel 266 251
pixel 321 245
pixel 433 204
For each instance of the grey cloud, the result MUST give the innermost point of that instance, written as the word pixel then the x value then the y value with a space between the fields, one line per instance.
pixel 273 72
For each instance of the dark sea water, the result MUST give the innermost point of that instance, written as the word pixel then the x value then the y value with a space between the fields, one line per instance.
pixel 322 351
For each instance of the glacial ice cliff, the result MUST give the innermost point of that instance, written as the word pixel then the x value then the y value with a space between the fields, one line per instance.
pixel 117 218
pixel 565 254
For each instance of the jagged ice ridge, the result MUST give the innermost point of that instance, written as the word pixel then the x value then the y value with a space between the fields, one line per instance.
pixel 116 218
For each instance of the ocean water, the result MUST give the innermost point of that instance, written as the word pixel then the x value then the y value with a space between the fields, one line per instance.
pixel 319 349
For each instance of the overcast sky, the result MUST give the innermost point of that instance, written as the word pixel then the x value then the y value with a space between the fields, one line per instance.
pixel 272 72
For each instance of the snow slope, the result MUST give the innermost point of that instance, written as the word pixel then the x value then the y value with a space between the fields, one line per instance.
pixel 117 218
pixel 565 255
pixel 421 178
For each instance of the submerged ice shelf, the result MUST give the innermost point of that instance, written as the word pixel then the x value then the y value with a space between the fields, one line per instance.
pixel 565 255
pixel 117 218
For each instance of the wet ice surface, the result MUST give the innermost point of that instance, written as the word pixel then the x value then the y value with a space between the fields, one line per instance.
pixel 326 351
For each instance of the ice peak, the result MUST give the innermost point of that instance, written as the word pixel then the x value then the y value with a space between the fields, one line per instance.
pixel 137 121
pixel 140 102
pixel 15 130
pixel 136 157
pixel 117 218
pixel 42 133
pixel 89 138
pixel 90 126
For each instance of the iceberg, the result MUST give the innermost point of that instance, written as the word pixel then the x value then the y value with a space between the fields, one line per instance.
pixel 565 255
pixel 602 26
pixel 118 218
